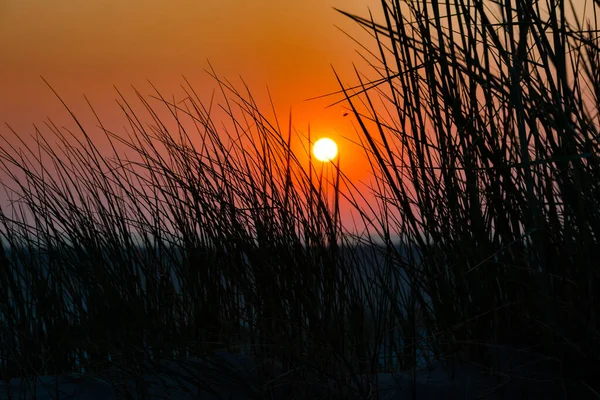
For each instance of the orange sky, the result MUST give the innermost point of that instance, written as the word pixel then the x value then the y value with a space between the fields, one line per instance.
pixel 87 46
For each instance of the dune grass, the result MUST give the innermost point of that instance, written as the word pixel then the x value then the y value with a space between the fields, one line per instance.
pixel 481 128
pixel 196 242
pixel 489 156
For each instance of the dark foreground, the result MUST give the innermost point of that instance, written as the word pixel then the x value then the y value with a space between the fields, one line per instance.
pixel 231 376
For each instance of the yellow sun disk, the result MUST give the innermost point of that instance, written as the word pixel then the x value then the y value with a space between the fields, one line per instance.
pixel 325 149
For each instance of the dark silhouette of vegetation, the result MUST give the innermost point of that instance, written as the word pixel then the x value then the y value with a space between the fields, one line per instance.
pixel 481 126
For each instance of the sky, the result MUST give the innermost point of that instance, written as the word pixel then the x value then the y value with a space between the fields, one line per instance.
pixel 84 47
pixel 88 46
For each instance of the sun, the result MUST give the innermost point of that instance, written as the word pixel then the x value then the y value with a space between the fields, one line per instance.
pixel 325 149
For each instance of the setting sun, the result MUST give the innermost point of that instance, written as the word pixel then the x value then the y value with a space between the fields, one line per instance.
pixel 325 149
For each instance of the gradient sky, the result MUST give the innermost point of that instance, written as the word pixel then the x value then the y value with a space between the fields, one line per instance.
pixel 87 46
pixel 83 46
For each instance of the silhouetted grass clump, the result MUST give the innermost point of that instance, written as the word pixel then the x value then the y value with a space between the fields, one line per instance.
pixel 488 153
pixel 198 241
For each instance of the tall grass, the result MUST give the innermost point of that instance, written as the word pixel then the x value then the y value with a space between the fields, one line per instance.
pixel 481 129
pixel 189 242
pixel 488 150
